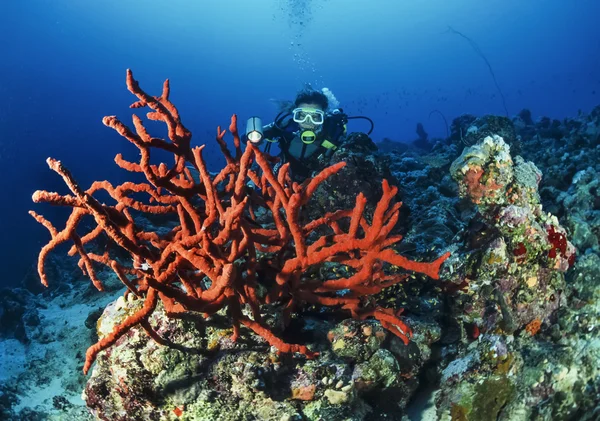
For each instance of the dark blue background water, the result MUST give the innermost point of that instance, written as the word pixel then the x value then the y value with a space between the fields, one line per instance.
pixel 62 68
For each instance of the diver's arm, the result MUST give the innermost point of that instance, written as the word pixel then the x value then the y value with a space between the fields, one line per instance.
pixel 335 127
pixel 271 131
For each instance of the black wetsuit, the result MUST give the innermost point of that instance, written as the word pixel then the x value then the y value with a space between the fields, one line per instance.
pixel 303 156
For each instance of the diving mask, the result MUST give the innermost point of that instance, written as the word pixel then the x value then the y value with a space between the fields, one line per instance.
pixel 302 115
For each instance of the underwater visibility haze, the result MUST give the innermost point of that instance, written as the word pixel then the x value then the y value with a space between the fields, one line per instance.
pixel 321 210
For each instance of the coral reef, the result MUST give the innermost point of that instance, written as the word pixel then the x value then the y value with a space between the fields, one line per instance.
pixel 218 258
pixel 510 281
pixel 508 332
pixel 361 374
pixel 513 260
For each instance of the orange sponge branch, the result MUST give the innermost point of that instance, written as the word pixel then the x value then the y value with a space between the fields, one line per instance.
pixel 210 259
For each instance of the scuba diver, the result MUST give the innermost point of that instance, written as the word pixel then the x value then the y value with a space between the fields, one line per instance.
pixel 304 134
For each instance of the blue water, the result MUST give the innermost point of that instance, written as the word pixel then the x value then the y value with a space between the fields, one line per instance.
pixel 62 68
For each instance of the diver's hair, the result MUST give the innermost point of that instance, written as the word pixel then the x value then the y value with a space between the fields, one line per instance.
pixel 310 96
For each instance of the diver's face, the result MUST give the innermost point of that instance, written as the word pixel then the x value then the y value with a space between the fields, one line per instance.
pixel 308 124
